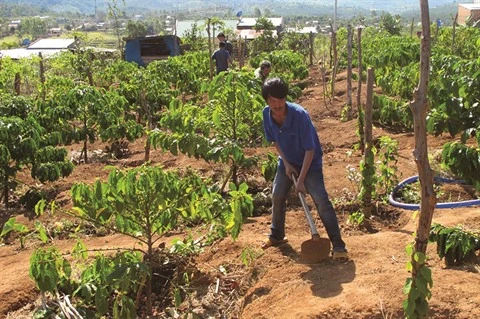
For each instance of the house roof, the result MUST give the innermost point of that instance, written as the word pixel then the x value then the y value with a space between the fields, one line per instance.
pixel 251 34
pixel 250 22
pixel 20 53
pixel 244 23
pixel 51 44
pixel 47 47
pixel 303 30
pixel 470 6
pixel 27 53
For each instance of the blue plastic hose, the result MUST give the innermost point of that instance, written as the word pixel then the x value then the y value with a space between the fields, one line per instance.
pixel 413 179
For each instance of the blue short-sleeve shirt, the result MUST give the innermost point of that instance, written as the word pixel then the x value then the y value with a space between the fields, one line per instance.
pixel 296 136
pixel 221 57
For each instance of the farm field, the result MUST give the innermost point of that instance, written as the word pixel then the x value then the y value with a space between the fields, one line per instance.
pixel 277 284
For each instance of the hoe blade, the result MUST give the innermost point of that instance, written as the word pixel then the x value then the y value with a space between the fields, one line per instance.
pixel 315 250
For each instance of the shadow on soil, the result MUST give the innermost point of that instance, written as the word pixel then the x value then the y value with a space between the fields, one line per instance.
pixel 327 278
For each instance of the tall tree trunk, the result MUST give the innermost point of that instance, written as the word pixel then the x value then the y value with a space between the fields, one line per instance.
pixel 419 107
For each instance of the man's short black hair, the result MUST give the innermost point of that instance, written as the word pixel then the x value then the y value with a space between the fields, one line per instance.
pixel 221 34
pixel 275 87
pixel 265 64
pixel 222 44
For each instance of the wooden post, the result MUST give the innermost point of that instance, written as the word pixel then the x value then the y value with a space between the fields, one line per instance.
pixel 453 32
pixel 239 51
pixel 89 68
pixel 210 52
pixel 324 79
pixel 85 145
pixel 213 32
pixel 312 39
pixel 361 131
pixel 330 49
pixel 349 72
pixel 411 27
pixel 368 155
pixel 42 69
pixel 42 76
pixel 17 83
pixel 419 107
pixel 5 191
pixel 335 56
pixel 151 125
pixel 245 48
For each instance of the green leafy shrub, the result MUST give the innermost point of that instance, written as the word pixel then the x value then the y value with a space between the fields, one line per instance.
pixel 455 244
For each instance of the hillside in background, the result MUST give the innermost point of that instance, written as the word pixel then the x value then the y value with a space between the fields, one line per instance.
pixel 229 8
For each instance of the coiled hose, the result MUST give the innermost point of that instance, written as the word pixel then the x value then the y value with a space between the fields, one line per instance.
pixel 413 179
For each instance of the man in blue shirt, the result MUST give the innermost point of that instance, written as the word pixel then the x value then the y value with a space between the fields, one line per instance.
pixel 228 44
pixel 291 130
pixel 222 58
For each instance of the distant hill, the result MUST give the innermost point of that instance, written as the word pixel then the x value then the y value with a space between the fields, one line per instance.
pixel 277 7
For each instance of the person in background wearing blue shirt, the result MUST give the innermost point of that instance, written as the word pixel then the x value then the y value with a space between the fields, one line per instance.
pixel 228 44
pixel 222 58
pixel 295 138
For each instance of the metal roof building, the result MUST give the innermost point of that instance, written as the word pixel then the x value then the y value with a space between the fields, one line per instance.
pixel 468 10
pixel 181 27
pixel 46 47
pixel 249 23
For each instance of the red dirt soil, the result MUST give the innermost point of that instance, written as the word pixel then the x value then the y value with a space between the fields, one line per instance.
pixel 369 285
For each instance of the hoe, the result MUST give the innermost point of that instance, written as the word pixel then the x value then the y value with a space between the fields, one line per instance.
pixel 316 249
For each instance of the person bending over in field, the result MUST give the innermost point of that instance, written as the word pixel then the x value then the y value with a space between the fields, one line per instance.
pixel 263 70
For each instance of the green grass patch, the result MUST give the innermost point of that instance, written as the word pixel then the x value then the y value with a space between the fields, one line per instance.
pixel 9 42
pixel 101 39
